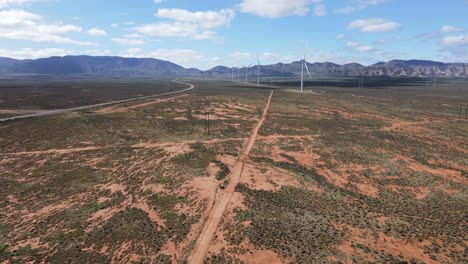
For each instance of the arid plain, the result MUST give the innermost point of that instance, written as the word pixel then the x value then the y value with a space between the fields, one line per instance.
pixel 333 175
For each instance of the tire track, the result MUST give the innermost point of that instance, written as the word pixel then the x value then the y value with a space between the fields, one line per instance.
pixel 202 245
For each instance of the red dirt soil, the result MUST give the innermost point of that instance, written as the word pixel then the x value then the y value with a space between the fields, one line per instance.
pixel 204 240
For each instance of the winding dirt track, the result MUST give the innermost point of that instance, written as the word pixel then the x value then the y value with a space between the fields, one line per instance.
pixel 201 248
pixel 79 108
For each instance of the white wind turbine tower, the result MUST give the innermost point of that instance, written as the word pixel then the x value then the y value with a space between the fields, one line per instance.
pixel 304 64
pixel 233 73
pixel 238 73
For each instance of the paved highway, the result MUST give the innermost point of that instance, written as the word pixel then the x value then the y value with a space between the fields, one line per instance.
pixel 79 108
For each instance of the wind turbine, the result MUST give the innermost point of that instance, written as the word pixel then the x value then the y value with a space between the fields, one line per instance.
pixel 246 72
pixel 304 64
pixel 238 73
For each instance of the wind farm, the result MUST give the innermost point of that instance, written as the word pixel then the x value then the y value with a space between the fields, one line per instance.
pixel 204 132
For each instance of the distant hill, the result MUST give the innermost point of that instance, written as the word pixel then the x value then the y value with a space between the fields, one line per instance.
pixel 95 66
pixel 133 68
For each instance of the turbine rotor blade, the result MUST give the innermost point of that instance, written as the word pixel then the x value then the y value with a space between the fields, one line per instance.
pixel 307 68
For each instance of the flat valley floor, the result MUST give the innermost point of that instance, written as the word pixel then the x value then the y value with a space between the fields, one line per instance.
pixel 333 175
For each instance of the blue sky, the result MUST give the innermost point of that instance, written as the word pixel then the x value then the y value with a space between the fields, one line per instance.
pixel 206 33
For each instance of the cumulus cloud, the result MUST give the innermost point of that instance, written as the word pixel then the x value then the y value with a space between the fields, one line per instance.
pixel 320 10
pixel 179 56
pixel 455 53
pixel 241 55
pixel 246 58
pixel 21 25
pixel 8 3
pixel 29 53
pixel 280 8
pixel 184 57
pixel 374 25
pixel 461 40
pixel 358 47
pixel 128 41
pixel 134 50
pixel 97 32
pixel 340 36
pixel 356 5
pixel 448 29
pixel 207 19
pixel 186 24
pixel 98 52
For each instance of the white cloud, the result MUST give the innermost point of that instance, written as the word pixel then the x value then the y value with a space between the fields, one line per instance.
pixel 456 54
pixel 114 25
pixel 358 47
pixel 134 50
pixel 455 40
pixel 340 36
pixel 280 8
pixel 179 56
pixel 381 41
pixel 448 29
pixel 357 5
pixel 345 10
pixel 21 25
pixel 128 41
pixel 159 1
pixel 29 53
pixel 241 55
pixel 374 25
pixel 251 58
pixel 186 24
pixel 98 52
pixel 184 57
pixel 8 3
pixel 207 19
pixel 133 36
pixel 320 10
pixel 97 32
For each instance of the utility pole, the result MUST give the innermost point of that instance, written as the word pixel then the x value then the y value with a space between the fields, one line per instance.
pixel 205 122
pixel 208 123
pixel 459 113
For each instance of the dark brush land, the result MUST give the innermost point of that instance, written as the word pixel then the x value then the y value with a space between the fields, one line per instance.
pixel 336 175
pixel 19 97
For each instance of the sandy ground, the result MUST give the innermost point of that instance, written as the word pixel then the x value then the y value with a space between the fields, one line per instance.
pixel 206 236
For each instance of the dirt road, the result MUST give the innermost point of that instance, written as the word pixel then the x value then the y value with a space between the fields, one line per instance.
pixel 200 250
pixel 74 109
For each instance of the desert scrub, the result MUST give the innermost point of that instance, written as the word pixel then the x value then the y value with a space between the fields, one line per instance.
pixel 197 160
pixel 223 170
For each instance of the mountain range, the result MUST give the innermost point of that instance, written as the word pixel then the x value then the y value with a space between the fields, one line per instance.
pixel 102 66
